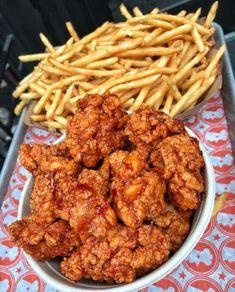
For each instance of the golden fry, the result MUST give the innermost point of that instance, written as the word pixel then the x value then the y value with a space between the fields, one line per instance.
pixel 20 106
pixel 166 36
pixel 51 111
pixel 125 12
pixel 33 57
pixel 219 204
pixel 172 87
pixel 159 51
pixel 217 56
pixel 211 14
pixel 30 95
pixel 197 39
pixel 72 31
pixel 38 118
pixel 46 43
pixel 137 12
pixel 64 99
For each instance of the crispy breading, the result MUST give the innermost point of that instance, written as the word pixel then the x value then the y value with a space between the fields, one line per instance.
pixel 175 225
pixel 147 127
pixel 42 198
pixel 83 202
pixel 180 161
pixel 96 129
pixel 38 158
pixel 44 241
pixel 120 257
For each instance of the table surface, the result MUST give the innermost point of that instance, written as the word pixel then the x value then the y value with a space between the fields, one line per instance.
pixel 209 267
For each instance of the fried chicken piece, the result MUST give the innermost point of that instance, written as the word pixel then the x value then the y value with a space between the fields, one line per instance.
pixel 96 129
pixel 84 202
pixel 138 194
pixel 127 165
pixel 39 158
pixel 180 161
pixel 147 127
pixel 44 241
pixel 153 250
pixel 138 199
pixel 42 198
pixel 175 226
pixel 185 189
pixel 174 151
pixel 120 257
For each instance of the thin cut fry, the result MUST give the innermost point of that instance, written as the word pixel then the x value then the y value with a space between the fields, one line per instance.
pixel 155 11
pixel 23 86
pixel 46 43
pixel 61 120
pixel 40 105
pixel 128 94
pixel 38 118
pixel 193 79
pixel 182 13
pixel 172 88
pixel 72 31
pixel 211 14
pixel 182 102
pixel 159 51
pixel 33 57
pixel 128 103
pixel 196 15
pixel 219 204
pixel 137 11
pixel 214 61
pixel 166 36
pixel 53 125
pixel 20 106
pixel 51 111
pixel 30 95
pixel 167 106
pixel 65 99
pixel 105 53
pixel 197 39
pixel 125 12
pixel 37 88
pixel 143 82
pixel 181 20
pixel 103 63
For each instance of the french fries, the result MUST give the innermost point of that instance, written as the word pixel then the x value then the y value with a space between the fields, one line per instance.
pixel 158 59
pixel 219 204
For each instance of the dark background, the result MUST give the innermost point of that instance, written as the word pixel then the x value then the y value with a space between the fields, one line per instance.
pixel 25 19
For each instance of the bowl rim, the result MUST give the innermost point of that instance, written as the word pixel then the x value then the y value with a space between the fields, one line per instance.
pixel 164 269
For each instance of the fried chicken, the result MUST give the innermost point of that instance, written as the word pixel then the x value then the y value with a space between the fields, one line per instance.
pixel 180 161
pixel 42 198
pixel 44 241
pixel 83 202
pixel 127 165
pixel 174 151
pixel 96 129
pixel 175 225
pixel 116 198
pixel 147 127
pixel 120 257
pixel 138 194
pixel 38 158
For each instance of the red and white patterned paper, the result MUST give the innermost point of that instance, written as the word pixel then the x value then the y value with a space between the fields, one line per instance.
pixel 209 267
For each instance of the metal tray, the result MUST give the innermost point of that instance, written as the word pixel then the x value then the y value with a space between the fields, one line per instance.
pixel 228 94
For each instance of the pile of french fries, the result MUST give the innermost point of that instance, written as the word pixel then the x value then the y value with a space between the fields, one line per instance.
pixel 158 59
